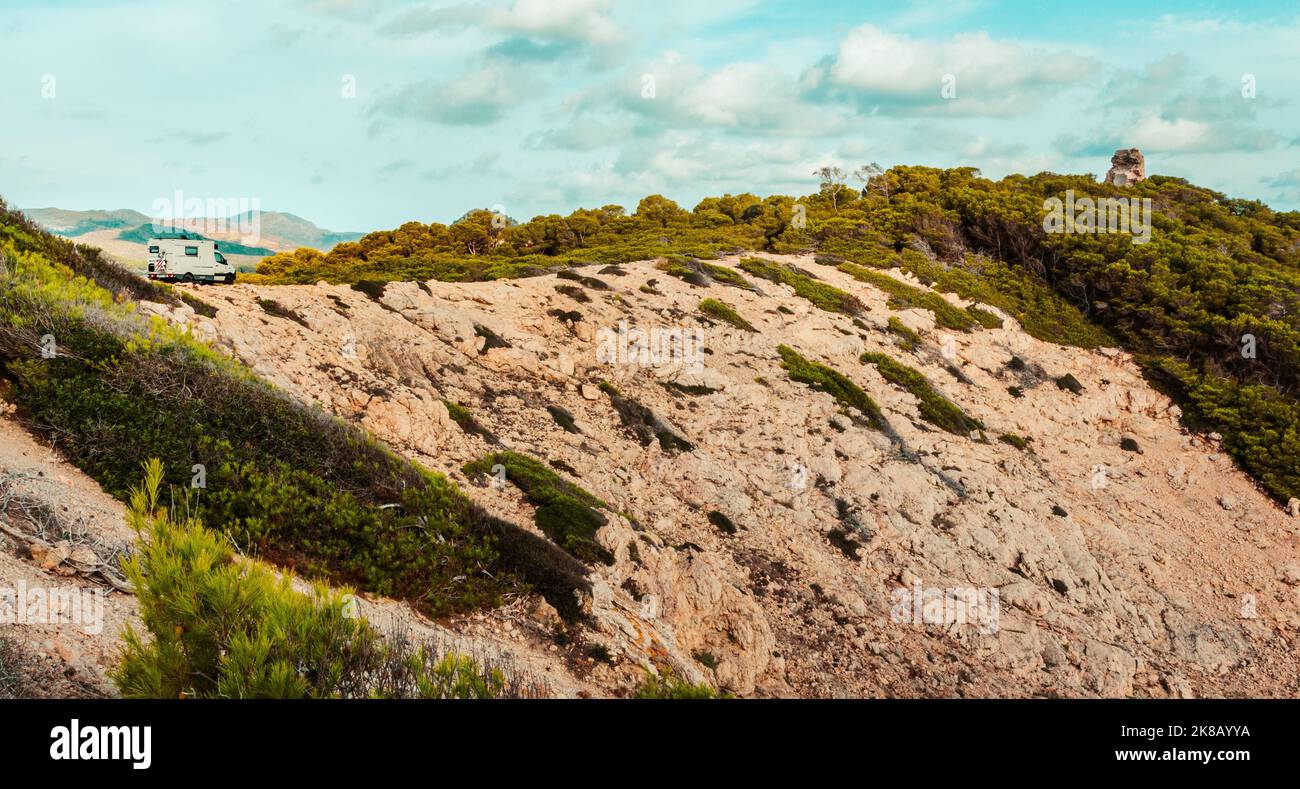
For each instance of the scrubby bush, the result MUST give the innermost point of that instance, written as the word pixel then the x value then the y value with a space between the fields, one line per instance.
pixel 826 379
pixel 565 512
pixel 823 296
pixel 644 423
pixel 908 340
pixel 934 407
pixel 725 313
pixel 903 296
pixel 222 627
pixel 668 686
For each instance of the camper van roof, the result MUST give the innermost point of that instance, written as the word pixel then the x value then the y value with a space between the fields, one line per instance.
pixel 178 236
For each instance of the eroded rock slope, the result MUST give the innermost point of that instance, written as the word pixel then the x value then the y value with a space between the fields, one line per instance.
pixel 1129 558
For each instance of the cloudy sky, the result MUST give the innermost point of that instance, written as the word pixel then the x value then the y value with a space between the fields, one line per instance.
pixel 363 114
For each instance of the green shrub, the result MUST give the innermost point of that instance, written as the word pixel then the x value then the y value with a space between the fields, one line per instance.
pixel 903 296
pixel 934 407
pixel 1015 441
pixel 222 627
pixel 466 421
pixel 908 340
pixel 986 319
pixel 565 512
pixel 701 274
pixel 725 313
pixel 824 379
pixel 667 686
pixel 823 296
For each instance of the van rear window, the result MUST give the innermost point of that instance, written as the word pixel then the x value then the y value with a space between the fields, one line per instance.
pixel 191 252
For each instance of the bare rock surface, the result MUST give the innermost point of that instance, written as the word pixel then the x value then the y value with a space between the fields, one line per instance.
pixel 771 557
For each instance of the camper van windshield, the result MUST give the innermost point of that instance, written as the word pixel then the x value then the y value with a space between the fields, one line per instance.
pixel 221 258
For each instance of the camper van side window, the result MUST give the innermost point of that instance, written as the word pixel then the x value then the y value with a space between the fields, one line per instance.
pixel 153 250
pixel 191 252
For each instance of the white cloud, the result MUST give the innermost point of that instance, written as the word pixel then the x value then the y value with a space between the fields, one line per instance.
pixel 587 21
pixel 873 67
pixel 1154 133
pixel 477 98
pixel 573 21
pixel 743 97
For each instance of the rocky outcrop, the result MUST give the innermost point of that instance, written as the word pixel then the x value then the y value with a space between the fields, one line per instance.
pixel 793 550
pixel 1127 167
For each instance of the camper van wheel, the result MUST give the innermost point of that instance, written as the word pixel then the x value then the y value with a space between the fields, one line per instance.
pixel 188 279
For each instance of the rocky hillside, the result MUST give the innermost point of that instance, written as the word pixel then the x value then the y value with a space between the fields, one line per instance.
pixel 754 517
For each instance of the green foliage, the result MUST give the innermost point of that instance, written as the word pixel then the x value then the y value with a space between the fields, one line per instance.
pixel 823 296
pixel 565 512
pixel 222 627
pixel 700 273
pixel 466 421
pixel 668 686
pixel 825 379
pixel 725 313
pixel 985 318
pixel 1260 427
pixel 908 340
pixel 903 296
pixel 934 407
pixel 1015 441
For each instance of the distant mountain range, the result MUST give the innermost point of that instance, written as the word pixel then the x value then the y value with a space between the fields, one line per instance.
pixel 124 233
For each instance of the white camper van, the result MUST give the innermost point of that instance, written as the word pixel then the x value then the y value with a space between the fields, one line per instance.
pixel 186 257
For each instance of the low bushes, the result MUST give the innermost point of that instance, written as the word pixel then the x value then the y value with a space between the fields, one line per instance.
pixel 934 407
pixel 725 313
pixel 644 423
pixel 903 296
pixel 825 379
pixel 565 512
pixel 221 627
pixel 668 686
pixel 823 296
pixel 908 340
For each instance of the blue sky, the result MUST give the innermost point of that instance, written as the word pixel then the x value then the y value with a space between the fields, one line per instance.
pixel 542 106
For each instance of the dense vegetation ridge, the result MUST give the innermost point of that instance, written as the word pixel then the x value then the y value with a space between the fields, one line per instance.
pixel 1211 304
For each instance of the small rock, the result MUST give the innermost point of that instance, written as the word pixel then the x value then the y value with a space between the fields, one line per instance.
pixel 544 614
pixel 1293 508
pixel 589 392
pixel 1290 573
pixel 1229 503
